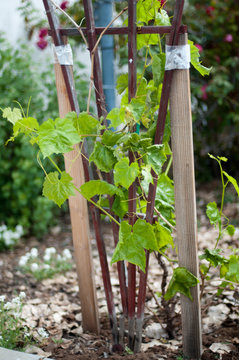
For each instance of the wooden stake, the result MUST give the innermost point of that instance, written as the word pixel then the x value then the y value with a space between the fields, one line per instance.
pixel 80 223
pixel 185 204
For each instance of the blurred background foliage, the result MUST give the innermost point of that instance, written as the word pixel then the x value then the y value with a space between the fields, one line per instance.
pixel 21 177
pixel 212 25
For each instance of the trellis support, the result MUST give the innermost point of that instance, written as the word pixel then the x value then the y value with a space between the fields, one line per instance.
pixel 185 204
pixel 80 222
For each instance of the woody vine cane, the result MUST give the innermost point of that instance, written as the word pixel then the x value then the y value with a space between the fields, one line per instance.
pixel 131 31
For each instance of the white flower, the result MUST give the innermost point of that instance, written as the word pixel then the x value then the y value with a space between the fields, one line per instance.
pixel 34 252
pixel 47 257
pixel 2 298
pixel 23 260
pixel 19 230
pixel 16 314
pixel 16 301
pixel 50 250
pixel 46 266
pixel 34 267
pixel 3 227
pixel 22 295
pixel 67 254
pixel 7 306
pixel 8 238
pixel 59 258
pixel 42 332
pixel 1 338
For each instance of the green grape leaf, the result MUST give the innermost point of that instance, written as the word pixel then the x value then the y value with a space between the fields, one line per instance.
pixel 155 157
pixel 158 66
pixel 145 143
pixel 146 39
pixel 182 281
pixel 204 269
pixel 125 174
pixel 232 181
pixel 86 124
pixel 195 60
pixel 165 191
pixel 12 115
pixel 98 187
pixel 103 157
pixel 143 233
pixel 213 257
pixel 163 236
pixel 25 126
pixel 110 138
pixel 230 269
pixel 58 190
pixel 57 136
pixel 222 158
pixel 122 83
pixel 116 116
pixel 146 10
pixel 135 109
pixel 141 87
pixel 233 269
pixel 162 18
pixel 231 230
pixel 212 157
pixel 130 140
pixel 128 248
pixel 147 177
pixel 120 205
pixel 213 213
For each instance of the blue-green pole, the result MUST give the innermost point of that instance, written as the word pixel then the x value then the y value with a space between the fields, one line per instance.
pixel 103 10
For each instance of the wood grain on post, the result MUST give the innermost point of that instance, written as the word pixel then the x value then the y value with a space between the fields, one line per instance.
pixel 185 204
pixel 79 222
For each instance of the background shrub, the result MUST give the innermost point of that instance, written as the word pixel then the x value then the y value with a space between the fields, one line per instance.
pixel 20 175
pixel 213 25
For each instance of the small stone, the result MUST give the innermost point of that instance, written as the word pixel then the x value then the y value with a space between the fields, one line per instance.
pixel 155 331
pixel 55 230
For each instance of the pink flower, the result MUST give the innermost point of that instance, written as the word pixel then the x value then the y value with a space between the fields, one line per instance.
pixel 42 32
pixel 64 5
pixel 204 92
pixel 209 10
pixel 228 38
pixel 42 44
pixel 200 48
pixel 162 2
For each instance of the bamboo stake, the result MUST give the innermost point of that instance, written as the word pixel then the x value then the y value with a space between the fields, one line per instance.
pixel 80 223
pixel 185 204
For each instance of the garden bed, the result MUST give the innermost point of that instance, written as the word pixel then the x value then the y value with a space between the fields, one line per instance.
pixel 54 303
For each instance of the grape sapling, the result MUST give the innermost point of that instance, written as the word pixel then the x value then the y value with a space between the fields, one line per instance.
pixel 228 266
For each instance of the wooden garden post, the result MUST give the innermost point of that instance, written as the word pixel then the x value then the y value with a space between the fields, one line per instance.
pixel 79 222
pixel 185 204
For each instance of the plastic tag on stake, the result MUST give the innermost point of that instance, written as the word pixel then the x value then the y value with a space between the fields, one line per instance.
pixel 177 57
pixel 63 54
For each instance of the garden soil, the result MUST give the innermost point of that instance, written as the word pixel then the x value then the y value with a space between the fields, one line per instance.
pixel 54 303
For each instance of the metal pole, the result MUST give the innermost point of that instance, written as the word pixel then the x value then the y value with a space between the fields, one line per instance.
pixel 103 16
